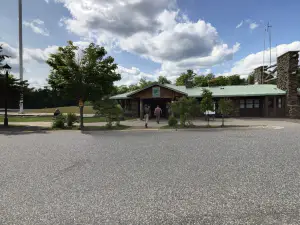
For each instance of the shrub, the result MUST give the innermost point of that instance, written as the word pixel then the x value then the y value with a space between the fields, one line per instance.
pixel 207 103
pixel 225 108
pixel 185 109
pixel 110 109
pixel 172 121
pixel 59 122
pixel 71 119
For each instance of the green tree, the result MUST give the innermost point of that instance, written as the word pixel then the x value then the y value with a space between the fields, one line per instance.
pixel 144 83
pixel 110 109
pixel 251 78
pixel 14 86
pixel 218 81
pixel 206 80
pixel 207 103
pixel 186 79
pixel 122 89
pixel 2 56
pixel 163 80
pixel 201 81
pixel 235 80
pixel 133 87
pixel 84 75
pixel 186 109
pixel 225 108
pixel 210 76
pixel 298 77
pixel 211 80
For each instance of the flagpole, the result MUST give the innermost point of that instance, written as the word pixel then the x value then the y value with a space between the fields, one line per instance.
pixel 21 51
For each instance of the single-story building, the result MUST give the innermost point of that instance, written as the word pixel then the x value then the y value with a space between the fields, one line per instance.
pixel 258 100
pixel 263 100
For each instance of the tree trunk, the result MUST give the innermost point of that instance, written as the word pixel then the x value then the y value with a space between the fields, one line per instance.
pixel 222 120
pixel 81 117
pixel 208 120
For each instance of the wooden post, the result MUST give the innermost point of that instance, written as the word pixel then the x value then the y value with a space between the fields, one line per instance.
pixel 266 107
pixel 141 109
pixel 81 105
pixel 275 106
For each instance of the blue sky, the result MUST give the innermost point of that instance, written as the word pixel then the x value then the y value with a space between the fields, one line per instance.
pixel 152 38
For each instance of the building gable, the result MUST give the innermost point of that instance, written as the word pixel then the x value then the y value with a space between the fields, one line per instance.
pixel 157 91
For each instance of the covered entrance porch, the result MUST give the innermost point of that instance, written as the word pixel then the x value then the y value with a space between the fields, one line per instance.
pixel 154 95
pixel 153 103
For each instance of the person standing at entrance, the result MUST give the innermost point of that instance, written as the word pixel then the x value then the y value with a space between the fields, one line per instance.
pixel 157 113
pixel 146 116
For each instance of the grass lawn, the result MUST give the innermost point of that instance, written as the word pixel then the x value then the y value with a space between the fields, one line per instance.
pixel 20 119
pixel 27 119
pixel 67 109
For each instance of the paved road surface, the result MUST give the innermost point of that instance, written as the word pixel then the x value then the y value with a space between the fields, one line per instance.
pixel 244 176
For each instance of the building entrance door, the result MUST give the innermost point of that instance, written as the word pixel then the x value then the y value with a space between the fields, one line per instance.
pixel 154 102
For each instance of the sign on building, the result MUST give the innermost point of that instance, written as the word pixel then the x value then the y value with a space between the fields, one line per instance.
pixel 156 92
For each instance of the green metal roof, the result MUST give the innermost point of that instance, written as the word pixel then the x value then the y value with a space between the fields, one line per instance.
pixel 224 91
pixel 169 86
pixel 122 96
pixel 239 91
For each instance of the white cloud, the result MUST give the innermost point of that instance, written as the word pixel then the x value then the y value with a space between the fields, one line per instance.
pixel 132 75
pixel 114 16
pixel 47 1
pixel 181 41
pixel 36 70
pixel 37 26
pixel 240 24
pixel 246 65
pixel 253 26
pixel 155 30
pixel 61 22
pixel 219 54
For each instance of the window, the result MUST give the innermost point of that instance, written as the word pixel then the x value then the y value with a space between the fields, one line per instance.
pixel 279 103
pixel 249 104
pixel 242 104
pixel 256 103
pixel 128 105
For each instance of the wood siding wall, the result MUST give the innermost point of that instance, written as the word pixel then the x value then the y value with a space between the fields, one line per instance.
pixel 164 93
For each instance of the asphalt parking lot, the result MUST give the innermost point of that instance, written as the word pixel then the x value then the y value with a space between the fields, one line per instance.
pixel 232 176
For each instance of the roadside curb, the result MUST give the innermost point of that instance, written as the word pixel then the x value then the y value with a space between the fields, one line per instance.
pixel 145 129
pixel 200 128
pixel 242 127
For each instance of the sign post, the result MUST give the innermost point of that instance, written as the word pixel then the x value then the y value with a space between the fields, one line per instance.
pixel 81 104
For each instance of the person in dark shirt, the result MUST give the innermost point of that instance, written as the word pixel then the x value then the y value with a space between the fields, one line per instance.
pixel 146 116
pixel 56 113
pixel 157 113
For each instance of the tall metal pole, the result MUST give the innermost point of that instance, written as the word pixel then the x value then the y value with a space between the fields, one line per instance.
pixel 21 52
pixel 270 40
pixel 5 100
pixel 261 78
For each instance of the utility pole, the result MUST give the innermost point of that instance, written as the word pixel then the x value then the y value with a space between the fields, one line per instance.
pixel 270 40
pixel 21 52
pixel 263 72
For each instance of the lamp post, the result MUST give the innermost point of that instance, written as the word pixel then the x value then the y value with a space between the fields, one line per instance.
pixel 6 68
